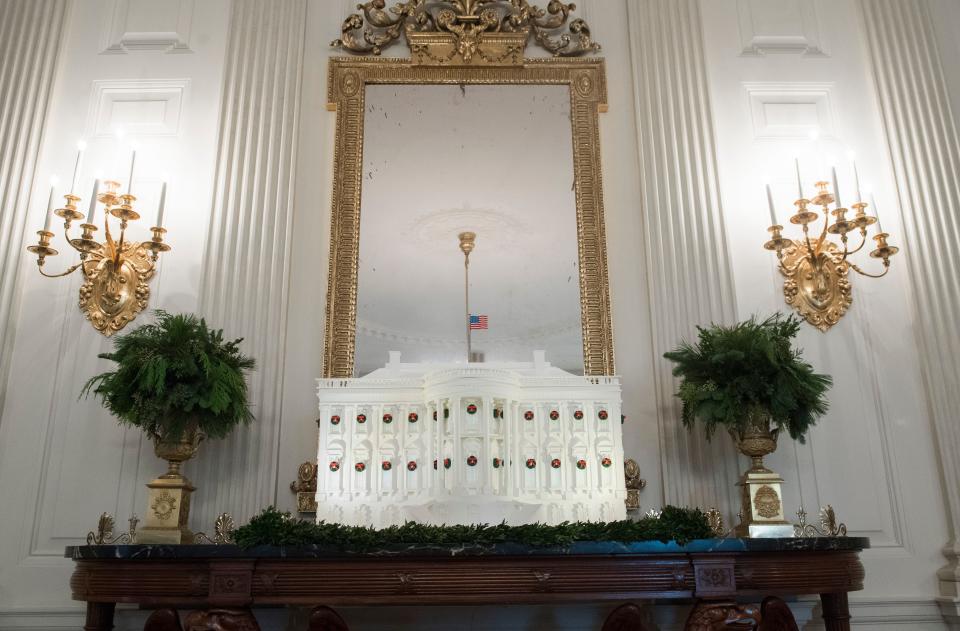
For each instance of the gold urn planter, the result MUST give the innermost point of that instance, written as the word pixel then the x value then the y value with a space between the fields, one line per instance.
pixel 168 502
pixel 761 490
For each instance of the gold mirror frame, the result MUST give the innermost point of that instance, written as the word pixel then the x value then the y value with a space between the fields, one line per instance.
pixel 346 92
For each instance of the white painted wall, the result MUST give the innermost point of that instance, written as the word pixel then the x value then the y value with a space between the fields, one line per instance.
pixel 64 461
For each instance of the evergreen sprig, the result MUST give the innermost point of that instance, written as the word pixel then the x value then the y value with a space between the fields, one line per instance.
pixel 173 373
pixel 735 372
pixel 274 528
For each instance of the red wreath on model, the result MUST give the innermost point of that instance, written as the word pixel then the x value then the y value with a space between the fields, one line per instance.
pixel 555 463
pixel 606 462
pixel 388 418
pixel 472 461
pixel 603 415
pixel 531 463
pixel 413 417
pixel 446 463
pixel 412 465
pixel 496 463
pixel 578 415
pixel 471 409
pixel 386 465
pixel 361 418
pixel 360 467
pixel 334 420
pixel 528 415
pixel 581 464
pixel 554 415
pixel 334 466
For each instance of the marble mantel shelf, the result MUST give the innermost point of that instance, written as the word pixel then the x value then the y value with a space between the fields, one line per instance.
pixel 697 546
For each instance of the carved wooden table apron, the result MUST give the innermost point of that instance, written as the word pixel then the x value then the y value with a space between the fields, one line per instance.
pixel 219 584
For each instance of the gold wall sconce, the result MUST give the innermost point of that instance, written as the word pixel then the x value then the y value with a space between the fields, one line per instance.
pixel 117 272
pixel 815 268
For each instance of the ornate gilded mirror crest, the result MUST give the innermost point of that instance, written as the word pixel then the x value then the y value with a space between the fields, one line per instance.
pixel 466 32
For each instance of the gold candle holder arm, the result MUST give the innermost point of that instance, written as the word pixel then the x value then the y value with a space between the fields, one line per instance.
pixel 43 249
pixel 883 252
pixel 156 244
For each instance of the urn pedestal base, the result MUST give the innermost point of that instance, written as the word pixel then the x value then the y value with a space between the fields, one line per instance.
pixel 168 510
pixel 762 517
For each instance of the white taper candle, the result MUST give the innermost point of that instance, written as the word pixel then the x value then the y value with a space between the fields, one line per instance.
pixel 856 180
pixel 76 166
pixel 91 213
pixel 49 219
pixel 133 161
pixel 876 212
pixel 773 214
pixel 836 187
pixel 796 162
pixel 163 203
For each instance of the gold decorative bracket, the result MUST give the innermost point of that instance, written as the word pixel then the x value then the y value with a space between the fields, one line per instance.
pixel 635 484
pixel 829 526
pixel 305 487
pixel 466 32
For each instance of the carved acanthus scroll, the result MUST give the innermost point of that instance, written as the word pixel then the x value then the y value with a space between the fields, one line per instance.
pixel 465 32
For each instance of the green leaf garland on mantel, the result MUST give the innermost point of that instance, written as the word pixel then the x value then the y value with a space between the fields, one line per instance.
pixel 274 528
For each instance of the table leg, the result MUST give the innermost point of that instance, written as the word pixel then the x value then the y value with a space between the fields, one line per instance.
pixel 99 617
pixel 628 617
pixel 326 619
pixel 836 611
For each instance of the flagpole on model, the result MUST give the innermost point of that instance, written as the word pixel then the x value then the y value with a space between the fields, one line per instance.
pixel 467 243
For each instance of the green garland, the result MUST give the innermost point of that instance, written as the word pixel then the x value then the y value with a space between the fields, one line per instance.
pixel 274 528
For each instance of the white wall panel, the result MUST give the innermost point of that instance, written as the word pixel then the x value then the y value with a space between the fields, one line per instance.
pixel 149 26
pixel 64 461
pixel 872 457
pixel 779 26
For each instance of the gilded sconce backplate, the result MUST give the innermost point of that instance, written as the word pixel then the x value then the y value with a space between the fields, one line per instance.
pixel 818 289
pixel 112 295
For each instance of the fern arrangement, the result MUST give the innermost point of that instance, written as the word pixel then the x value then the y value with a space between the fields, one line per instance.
pixel 735 373
pixel 173 374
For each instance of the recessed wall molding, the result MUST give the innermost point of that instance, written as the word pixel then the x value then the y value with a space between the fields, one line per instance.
pixel 923 142
pixel 149 26
pixel 687 260
pixel 780 26
pixel 781 111
pixel 246 272
pixel 146 107
pixel 26 81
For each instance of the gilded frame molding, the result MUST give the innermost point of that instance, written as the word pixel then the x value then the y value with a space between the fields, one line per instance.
pixel 346 91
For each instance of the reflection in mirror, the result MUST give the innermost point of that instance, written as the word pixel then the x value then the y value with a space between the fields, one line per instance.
pixel 440 160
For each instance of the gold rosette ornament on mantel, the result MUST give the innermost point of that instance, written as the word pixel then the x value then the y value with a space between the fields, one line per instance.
pixel 748 379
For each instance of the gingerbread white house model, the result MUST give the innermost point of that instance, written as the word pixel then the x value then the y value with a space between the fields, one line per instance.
pixel 470 443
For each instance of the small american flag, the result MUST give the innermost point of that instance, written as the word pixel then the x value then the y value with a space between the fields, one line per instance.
pixel 478 322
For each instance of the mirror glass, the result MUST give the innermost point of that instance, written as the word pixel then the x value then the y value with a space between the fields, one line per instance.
pixel 496 160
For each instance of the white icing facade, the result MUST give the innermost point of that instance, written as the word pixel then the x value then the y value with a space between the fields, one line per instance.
pixel 478 443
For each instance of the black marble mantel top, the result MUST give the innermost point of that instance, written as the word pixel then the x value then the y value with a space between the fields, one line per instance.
pixel 698 546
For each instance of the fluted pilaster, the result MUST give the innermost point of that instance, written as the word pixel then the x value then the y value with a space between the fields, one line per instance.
pixel 685 246
pixel 246 272
pixel 30 36
pixel 925 150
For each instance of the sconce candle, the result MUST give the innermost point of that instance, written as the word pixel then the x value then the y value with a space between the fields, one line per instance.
pixel 81 145
pixel 133 161
pixel 93 201
pixel 163 203
pixel 49 218
pixel 876 213
pixel 773 215
pixel 796 163
pixel 836 187
pixel 856 179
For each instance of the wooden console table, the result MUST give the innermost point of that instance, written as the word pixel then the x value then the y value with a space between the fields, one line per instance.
pixel 219 584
